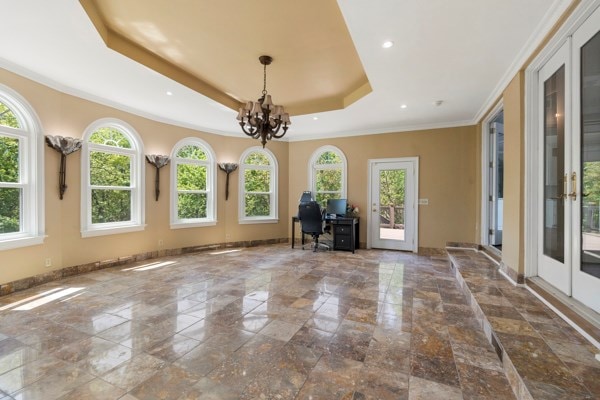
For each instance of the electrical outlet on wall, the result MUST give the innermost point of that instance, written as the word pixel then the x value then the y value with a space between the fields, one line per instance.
pixel 48 262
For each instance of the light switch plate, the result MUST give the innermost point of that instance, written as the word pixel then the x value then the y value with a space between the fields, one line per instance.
pixel 423 202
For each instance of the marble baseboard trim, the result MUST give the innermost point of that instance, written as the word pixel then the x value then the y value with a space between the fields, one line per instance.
pixel 432 252
pixel 463 245
pixel 514 275
pixel 36 280
pixel 515 380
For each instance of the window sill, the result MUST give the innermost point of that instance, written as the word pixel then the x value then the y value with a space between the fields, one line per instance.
pixel 259 221
pixel 184 225
pixel 24 241
pixel 113 230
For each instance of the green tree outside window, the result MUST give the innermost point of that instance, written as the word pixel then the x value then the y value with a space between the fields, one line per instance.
pixel 10 197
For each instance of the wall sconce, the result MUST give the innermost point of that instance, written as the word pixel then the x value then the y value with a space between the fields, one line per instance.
pixel 158 162
pixel 65 146
pixel 228 168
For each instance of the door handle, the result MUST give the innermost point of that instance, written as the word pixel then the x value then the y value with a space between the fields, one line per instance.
pixel 573 193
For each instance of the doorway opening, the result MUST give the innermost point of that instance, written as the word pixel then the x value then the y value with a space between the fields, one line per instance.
pixel 493 179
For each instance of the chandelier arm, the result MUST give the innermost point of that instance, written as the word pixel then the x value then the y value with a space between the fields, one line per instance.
pixel 251 132
pixel 279 136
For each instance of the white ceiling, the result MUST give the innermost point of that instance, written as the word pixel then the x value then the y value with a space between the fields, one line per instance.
pixel 463 52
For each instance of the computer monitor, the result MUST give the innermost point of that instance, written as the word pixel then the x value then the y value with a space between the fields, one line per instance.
pixel 337 207
pixel 306 196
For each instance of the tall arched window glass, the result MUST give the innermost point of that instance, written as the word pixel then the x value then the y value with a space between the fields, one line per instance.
pixel 21 175
pixel 112 194
pixel 193 184
pixel 328 174
pixel 258 186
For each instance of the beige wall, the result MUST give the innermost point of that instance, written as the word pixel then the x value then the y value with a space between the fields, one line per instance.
pixel 514 169
pixel 447 164
pixel 448 178
pixel 65 115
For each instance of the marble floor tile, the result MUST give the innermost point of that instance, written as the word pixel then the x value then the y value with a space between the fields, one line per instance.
pixel 133 372
pixel 423 389
pixel 96 389
pixel 272 322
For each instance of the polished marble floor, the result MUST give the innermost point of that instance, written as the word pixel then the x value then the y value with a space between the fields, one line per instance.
pixel 266 322
pixel 545 356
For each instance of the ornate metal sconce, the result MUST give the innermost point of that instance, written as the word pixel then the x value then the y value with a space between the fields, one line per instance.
pixel 158 161
pixel 228 168
pixel 65 146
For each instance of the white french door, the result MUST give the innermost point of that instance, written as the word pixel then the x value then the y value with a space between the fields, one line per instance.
pixel 586 159
pixel 569 210
pixel 393 201
pixel 554 152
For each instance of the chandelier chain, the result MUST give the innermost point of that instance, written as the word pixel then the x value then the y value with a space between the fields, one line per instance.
pixel 264 91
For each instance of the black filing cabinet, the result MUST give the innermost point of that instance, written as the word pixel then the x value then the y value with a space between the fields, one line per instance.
pixel 345 233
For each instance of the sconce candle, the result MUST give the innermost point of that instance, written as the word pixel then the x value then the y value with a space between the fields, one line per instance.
pixel 228 168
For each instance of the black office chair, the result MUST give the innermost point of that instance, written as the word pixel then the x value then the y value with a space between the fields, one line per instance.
pixel 312 222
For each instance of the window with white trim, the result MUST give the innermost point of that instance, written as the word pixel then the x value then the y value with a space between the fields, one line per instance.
pixel 112 190
pixel 193 184
pixel 258 186
pixel 21 175
pixel 327 175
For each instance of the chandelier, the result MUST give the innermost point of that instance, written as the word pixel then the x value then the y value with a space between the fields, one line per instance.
pixel 262 119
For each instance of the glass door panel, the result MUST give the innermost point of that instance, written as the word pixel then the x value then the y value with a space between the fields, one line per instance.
pixel 392 188
pixel 554 165
pixel 590 157
pixel 393 198
pixel 555 206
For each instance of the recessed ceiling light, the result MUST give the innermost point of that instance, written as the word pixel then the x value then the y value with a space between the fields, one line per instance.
pixel 169 93
pixel 387 44
pixel 403 106
pixel 315 118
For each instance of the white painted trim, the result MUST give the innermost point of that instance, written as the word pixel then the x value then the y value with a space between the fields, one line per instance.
pixel 555 11
pixel 184 225
pixel 112 230
pixel 31 165
pixel 576 19
pixel 311 170
pixel 274 189
pixel 371 164
pixel 211 185
pixel 138 180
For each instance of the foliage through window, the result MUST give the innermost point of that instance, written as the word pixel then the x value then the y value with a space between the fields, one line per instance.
pixel 258 186
pixel 112 177
pixel 21 200
pixel 193 179
pixel 328 174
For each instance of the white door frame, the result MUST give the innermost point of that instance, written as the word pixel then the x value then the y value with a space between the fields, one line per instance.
pixel 485 161
pixel 532 130
pixel 415 161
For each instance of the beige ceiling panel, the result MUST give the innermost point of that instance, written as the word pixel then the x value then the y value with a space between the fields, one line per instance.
pixel 213 48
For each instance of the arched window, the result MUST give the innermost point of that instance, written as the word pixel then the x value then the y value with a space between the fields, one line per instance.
pixel 327 174
pixel 258 186
pixel 21 175
pixel 112 179
pixel 193 184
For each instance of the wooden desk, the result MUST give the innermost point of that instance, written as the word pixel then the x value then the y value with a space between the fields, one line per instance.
pixel 344 229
